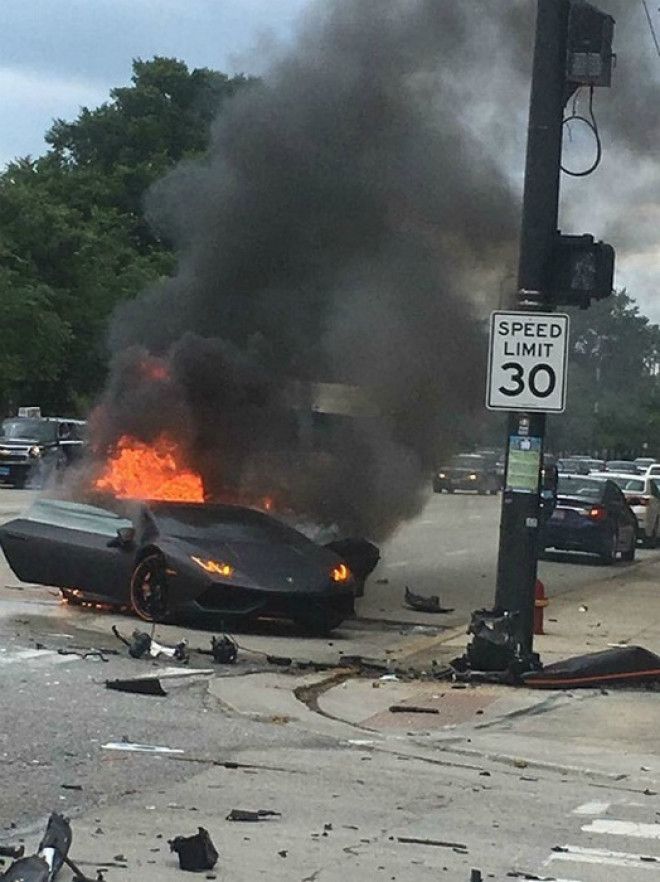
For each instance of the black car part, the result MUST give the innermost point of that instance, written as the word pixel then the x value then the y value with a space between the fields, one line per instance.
pixel 618 666
pixel 196 852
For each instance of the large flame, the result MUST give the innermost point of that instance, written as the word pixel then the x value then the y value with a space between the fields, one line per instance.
pixel 136 470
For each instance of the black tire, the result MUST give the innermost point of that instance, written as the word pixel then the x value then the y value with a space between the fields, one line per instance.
pixel 608 554
pixel 450 489
pixel 436 487
pixel 148 589
pixel 629 556
pixel 493 492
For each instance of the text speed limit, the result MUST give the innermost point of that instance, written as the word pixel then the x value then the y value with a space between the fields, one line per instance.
pixel 527 362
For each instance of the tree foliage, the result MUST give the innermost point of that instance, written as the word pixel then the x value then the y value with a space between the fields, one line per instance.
pixel 73 238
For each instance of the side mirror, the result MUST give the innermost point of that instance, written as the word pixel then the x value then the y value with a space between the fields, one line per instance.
pixel 124 539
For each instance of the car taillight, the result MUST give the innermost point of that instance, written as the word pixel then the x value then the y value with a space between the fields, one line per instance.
pixel 597 513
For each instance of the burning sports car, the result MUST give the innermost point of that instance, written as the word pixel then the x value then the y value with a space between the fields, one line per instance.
pixel 171 561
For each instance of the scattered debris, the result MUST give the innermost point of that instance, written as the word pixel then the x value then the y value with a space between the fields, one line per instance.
pixel 224 650
pixel 71 786
pixel 439 843
pixel 195 852
pixel 412 709
pixel 583 608
pixel 424 604
pixel 382 581
pixel 12 851
pixel 139 686
pixel 51 855
pixel 281 660
pixel 142 644
pixel 88 653
pixel 246 815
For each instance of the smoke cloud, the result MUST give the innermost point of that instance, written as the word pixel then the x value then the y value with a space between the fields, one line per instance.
pixel 355 213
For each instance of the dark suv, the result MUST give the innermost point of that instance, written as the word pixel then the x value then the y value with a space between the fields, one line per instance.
pixel 32 448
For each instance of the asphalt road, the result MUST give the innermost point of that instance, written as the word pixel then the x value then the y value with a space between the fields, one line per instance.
pixel 451 550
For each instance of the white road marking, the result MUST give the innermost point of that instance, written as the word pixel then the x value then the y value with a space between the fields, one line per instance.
pixel 576 854
pixel 139 748
pixel 592 808
pixel 623 828
pixel 9 657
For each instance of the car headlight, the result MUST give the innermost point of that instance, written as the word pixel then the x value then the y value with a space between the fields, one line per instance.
pixel 442 475
pixel 35 452
pixel 340 573
pixel 474 477
pixel 218 568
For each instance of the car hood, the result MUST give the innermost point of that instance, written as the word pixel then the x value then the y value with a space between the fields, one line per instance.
pixel 272 566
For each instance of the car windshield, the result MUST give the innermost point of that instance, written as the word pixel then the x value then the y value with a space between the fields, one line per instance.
pixel 578 487
pixel 631 485
pixel 468 461
pixel 223 524
pixel 29 430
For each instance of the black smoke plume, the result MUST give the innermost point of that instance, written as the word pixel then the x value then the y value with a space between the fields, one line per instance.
pixel 350 213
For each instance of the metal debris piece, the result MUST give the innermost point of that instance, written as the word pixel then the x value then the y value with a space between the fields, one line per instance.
pixel 195 852
pixel 412 709
pixel 12 851
pixel 141 686
pixel 281 660
pixel 439 843
pixel 224 650
pixel 424 604
pixel 246 815
pixel 142 644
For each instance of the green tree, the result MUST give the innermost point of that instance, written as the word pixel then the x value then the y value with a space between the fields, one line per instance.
pixel 73 237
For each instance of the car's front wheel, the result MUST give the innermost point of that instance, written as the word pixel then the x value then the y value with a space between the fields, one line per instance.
pixel 149 589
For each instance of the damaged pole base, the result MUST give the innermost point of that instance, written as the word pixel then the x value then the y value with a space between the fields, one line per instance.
pixel 495 650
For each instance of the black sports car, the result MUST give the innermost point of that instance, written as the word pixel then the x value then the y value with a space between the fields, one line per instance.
pixel 177 561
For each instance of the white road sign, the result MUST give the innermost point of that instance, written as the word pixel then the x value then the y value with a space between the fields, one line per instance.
pixel 527 361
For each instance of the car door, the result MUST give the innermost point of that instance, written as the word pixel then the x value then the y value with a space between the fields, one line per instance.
pixel 96 563
pixel 653 516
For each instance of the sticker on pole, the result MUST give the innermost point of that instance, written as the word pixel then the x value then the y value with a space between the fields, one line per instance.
pixel 527 362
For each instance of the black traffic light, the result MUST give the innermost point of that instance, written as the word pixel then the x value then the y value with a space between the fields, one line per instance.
pixel 581 270
pixel 589 58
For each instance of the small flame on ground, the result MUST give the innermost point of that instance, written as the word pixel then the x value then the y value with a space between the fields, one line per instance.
pixel 136 470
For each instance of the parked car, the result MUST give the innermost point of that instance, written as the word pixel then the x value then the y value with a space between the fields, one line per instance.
pixel 621 466
pixel 569 466
pixel 643 496
pixel 593 516
pixel 32 448
pixel 177 561
pixel 468 471
pixel 644 462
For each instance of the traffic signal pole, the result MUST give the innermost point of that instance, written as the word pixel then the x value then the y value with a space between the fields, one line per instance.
pixel 520 519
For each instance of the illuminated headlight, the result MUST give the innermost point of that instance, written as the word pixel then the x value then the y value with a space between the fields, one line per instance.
pixel 474 477
pixel 442 475
pixel 35 452
pixel 340 573
pixel 217 568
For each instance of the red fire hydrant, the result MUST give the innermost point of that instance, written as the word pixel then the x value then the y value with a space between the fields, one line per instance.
pixel 540 603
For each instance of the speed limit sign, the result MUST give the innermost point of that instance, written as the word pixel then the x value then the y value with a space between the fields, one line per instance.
pixel 527 362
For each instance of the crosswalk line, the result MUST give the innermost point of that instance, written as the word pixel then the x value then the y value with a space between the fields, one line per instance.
pixel 592 808
pixel 577 854
pixel 611 827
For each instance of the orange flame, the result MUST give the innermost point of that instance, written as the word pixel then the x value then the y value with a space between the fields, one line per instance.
pixel 136 470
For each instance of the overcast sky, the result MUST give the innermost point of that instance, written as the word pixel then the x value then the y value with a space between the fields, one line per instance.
pixel 58 55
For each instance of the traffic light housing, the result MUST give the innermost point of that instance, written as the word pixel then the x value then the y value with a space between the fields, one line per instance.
pixel 589 57
pixel 581 270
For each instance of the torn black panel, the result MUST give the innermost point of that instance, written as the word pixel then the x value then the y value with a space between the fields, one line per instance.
pixel 620 665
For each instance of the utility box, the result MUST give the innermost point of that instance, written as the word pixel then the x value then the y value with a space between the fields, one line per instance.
pixel 590 34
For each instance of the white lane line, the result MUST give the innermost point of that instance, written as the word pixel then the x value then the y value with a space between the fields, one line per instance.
pixel 29 655
pixel 592 808
pixel 576 854
pixel 623 828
